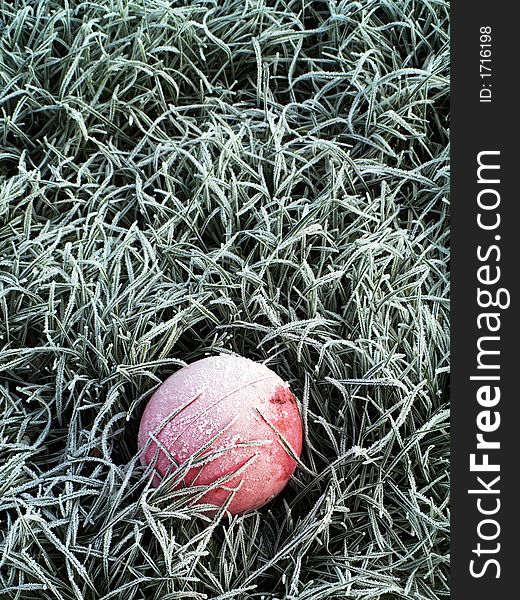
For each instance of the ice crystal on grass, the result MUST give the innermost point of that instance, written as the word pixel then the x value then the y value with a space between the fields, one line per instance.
pixel 263 177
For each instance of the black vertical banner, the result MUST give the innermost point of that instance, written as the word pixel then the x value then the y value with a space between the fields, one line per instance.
pixel 485 325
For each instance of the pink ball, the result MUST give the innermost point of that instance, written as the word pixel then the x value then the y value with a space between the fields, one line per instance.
pixel 251 413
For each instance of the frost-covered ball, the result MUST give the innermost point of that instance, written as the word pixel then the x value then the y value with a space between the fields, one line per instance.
pixel 236 419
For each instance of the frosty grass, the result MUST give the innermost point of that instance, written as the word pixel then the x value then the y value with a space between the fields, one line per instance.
pixel 268 178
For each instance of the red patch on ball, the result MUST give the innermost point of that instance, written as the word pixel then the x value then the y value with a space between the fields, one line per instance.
pixel 246 409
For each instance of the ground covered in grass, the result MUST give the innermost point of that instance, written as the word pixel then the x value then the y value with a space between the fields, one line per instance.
pixel 264 177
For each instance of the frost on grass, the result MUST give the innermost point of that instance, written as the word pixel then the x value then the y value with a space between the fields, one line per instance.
pixel 262 177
